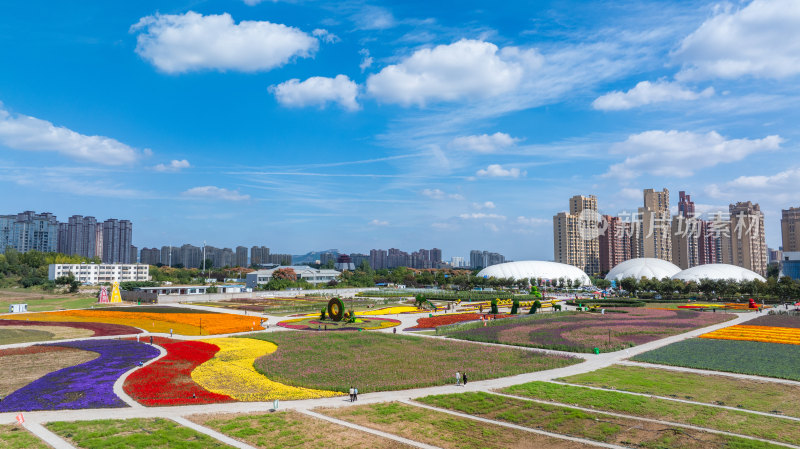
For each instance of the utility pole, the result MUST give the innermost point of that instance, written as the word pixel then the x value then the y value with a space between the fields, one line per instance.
pixel 204 261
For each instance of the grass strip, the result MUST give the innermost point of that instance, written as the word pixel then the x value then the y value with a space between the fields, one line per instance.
pixel 441 429
pixel 747 394
pixel 291 429
pixel 775 429
pixel 17 437
pixel 590 425
pixel 139 433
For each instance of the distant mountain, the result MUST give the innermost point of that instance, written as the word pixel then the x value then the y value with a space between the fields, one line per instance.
pixel 312 256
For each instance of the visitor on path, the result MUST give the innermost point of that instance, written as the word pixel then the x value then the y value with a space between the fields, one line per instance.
pixel 458 378
pixel 465 379
pixel 170 332
pixel 151 339
pixel 352 394
pixel 355 392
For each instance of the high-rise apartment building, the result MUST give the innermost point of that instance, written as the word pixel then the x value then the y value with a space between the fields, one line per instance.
pixel 576 239
pixel 241 256
pixel 117 236
pixel 790 229
pixel 259 255
pixel 78 236
pixel 748 247
pixel 614 243
pixel 359 259
pixel 134 255
pixel 656 225
pixel 150 256
pixel 483 259
pixel 29 231
pixel 378 259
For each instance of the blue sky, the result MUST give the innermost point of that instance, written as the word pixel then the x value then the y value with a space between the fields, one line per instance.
pixel 305 125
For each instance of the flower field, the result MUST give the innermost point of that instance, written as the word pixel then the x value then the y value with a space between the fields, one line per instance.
pixel 745 357
pixel 231 373
pixel 377 361
pixel 169 381
pixel 88 385
pixel 581 332
pixel 184 323
pixel 32 362
pixel 98 329
pixel 450 318
pixel 766 334
pixel 317 324
pixel 776 321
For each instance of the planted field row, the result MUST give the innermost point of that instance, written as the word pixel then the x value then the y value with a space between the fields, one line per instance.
pixel 771 428
pixel 597 426
pixel 766 334
pixel 768 397
pixel 745 357
pixel 583 332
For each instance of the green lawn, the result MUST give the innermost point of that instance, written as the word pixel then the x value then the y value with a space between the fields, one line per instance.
pixel 441 429
pixel 373 361
pixel 16 437
pixel 291 429
pixel 137 433
pixel 590 425
pixel 10 336
pixel 722 390
pixel 38 304
pixel 746 357
pixel 776 429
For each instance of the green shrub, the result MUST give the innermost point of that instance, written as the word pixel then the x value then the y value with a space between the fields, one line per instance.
pixel 494 306
pixel 536 306
pixel 514 306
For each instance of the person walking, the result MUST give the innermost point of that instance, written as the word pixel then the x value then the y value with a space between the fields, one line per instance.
pixel 352 394
pixel 458 378
pixel 464 376
pixel 355 391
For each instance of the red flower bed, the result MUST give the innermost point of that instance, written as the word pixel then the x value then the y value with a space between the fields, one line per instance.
pixel 99 329
pixel 169 380
pixel 442 320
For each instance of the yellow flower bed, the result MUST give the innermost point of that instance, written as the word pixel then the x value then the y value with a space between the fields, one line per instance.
pixel 766 334
pixel 391 311
pixel 231 372
pixel 180 323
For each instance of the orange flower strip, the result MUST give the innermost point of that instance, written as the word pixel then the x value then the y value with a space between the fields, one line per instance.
pixel 179 323
pixel 766 334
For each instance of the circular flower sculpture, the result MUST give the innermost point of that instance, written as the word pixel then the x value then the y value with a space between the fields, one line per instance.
pixel 336 309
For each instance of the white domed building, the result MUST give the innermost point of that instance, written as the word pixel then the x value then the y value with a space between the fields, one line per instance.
pixel 643 267
pixel 716 272
pixel 536 269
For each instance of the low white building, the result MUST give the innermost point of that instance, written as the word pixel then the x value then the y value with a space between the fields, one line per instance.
pixel 98 273
pixel 311 275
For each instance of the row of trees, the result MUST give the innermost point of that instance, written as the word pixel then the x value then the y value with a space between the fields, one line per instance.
pixel 30 269
pixel 783 289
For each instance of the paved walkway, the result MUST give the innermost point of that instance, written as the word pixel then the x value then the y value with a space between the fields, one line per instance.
pixel 592 362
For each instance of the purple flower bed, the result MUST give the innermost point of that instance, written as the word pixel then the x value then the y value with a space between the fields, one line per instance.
pixel 88 385
pixel 583 332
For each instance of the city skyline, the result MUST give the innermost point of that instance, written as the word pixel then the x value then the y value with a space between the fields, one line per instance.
pixel 329 139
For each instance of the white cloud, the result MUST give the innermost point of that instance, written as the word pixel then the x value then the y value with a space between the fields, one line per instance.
pixel 215 193
pixel 679 154
pixel 317 91
pixel 377 222
pixel 533 221
pixel 467 69
pixel 366 60
pixel 374 18
pixel 762 39
pixel 175 165
pixel 481 216
pixel 497 171
pixel 484 143
pixel 185 42
pixel 23 132
pixel 782 180
pixel 440 195
pixel 484 205
pixel 326 36
pixel 646 93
